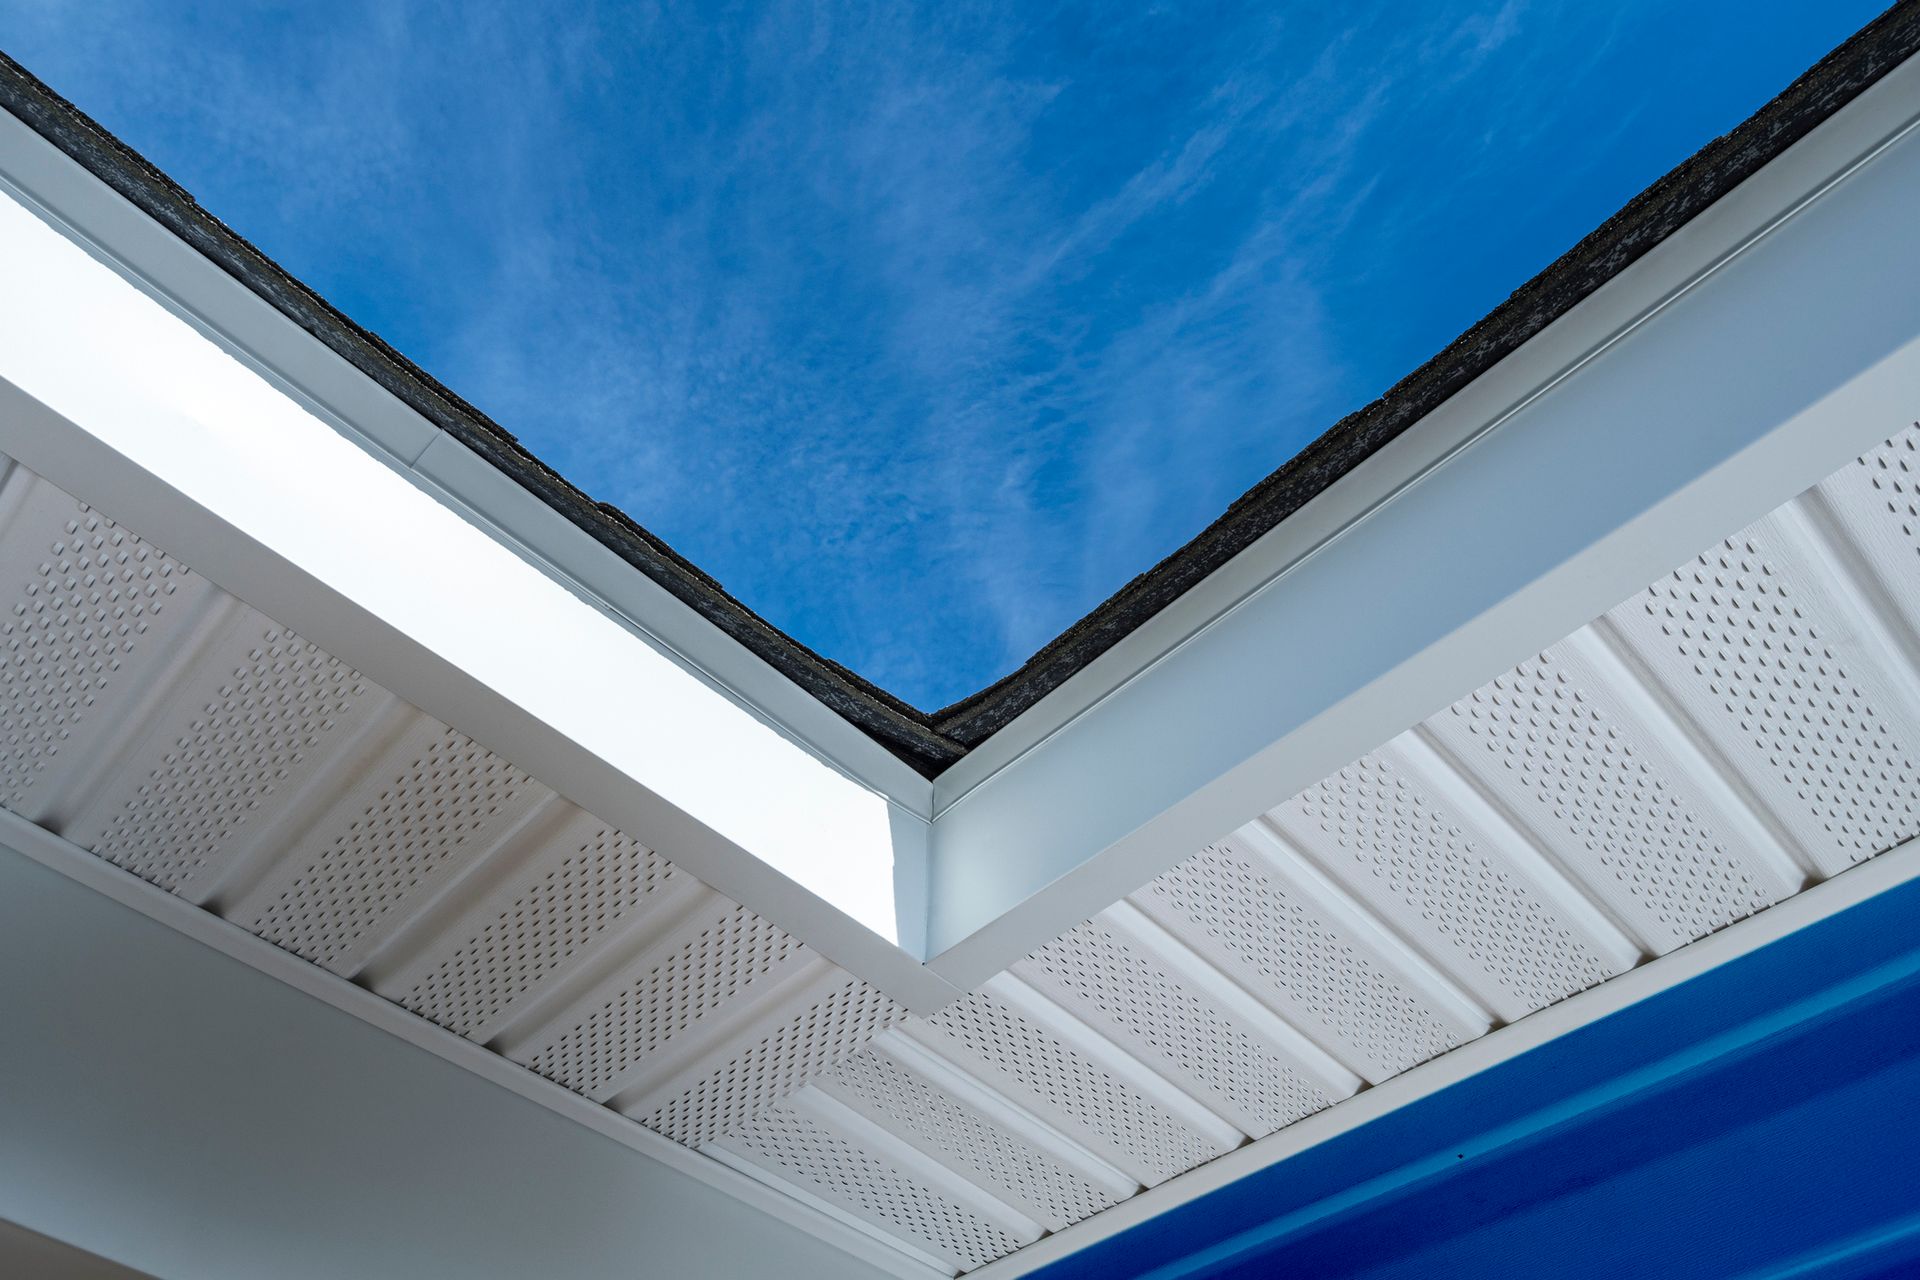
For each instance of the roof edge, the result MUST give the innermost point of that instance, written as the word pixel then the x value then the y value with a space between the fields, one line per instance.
pixel 1669 203
pixel 931 741
pixel 900 727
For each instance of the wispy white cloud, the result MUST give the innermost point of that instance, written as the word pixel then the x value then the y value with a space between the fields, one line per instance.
pixel 923 330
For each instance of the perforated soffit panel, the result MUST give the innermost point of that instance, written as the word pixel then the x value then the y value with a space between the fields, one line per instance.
pixel 1741 729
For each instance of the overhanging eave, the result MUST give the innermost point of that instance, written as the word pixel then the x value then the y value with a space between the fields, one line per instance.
pixel 1767 343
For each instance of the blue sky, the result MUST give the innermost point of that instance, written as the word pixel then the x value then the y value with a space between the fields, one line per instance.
pixel 922 330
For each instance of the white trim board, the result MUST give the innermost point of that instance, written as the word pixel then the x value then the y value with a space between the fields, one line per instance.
pixel 208 413
pixel 839 827
pixel 1676 404
pixel 226 312
pixel 212 463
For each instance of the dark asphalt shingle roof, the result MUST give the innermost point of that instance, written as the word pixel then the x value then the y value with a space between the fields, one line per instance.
pixel 931 741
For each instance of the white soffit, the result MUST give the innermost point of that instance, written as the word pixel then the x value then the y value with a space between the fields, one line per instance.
pixel 1728 755
pixel 1753 351
pixel 111 393
pixel 540 851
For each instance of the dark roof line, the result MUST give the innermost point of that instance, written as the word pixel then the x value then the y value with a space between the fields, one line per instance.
pixel 903 729
pixel 931 741
pixel 1650 217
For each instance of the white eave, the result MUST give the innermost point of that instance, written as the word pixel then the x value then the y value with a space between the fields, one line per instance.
pixel 1760 347
pixel 901 973
pixel 240 467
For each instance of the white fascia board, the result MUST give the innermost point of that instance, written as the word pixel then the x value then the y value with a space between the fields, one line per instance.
pixel 178 276
pixel 1756 350
pixel 123 400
